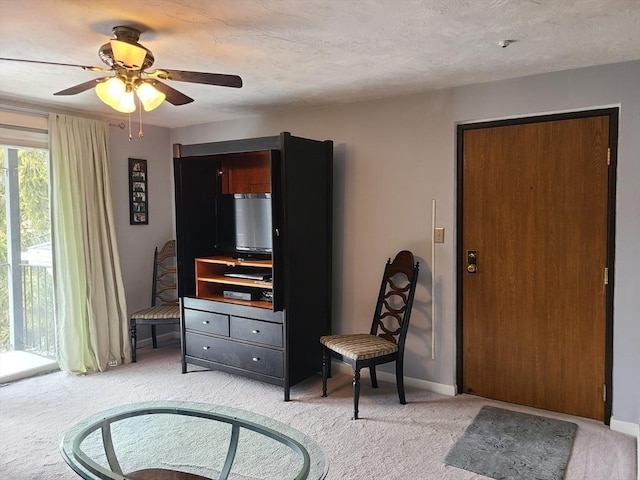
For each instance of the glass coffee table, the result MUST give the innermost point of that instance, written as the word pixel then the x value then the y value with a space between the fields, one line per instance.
pixel 189 441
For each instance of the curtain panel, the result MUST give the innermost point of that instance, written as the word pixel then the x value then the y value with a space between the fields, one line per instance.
pixel 92 324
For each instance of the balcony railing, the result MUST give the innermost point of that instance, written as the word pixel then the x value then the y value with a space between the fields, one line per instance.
pixel 33 325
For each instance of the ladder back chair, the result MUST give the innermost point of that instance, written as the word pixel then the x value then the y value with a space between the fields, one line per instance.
pixel 385 342
pixel 165 309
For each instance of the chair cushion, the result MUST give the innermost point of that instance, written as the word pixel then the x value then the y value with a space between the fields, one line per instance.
pixel 158 313
pixel 359 346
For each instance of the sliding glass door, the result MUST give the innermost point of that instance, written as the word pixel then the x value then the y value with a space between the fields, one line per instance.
pixel 27 320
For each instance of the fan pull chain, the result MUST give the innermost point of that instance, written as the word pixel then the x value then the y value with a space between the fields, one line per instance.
pixel 129 115
pixel 140 132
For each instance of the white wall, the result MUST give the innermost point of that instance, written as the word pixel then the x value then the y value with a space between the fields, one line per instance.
pixel 393 156
pixel 136 242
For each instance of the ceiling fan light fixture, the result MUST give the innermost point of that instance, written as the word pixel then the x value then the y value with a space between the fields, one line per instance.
pixel 128 55
pixel 129 64
pixel 149 95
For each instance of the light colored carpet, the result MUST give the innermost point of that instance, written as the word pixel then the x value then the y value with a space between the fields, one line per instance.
pixel 390 441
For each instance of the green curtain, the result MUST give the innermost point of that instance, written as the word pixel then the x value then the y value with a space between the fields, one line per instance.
pixel 92 324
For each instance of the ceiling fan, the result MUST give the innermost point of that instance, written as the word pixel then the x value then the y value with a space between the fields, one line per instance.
pixel 128 63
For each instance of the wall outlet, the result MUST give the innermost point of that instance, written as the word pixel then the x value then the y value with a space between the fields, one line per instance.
pixel 438 235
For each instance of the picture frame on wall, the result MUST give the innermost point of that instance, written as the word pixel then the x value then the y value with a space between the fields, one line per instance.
pixel 138 194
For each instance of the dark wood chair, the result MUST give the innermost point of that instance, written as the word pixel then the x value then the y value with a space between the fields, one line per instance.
pixel 165 309
pixel 391 318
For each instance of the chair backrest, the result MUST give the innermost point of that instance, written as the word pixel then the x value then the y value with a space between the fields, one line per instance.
pixel 395 298
pixel 165 291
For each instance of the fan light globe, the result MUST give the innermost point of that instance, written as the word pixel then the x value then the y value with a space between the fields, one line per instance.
pixel 114 93
pixel 150 97
pixel 127 103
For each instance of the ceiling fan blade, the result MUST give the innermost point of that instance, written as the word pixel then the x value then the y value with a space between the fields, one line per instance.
pixel 220 79
pixel 84 67
pixel 174 97
pixel 80 87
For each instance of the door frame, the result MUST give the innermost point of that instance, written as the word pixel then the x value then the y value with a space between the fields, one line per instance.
pixel 613 114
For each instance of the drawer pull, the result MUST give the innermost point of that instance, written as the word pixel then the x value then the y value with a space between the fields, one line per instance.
pixel 255 331
pixel 206 322
pixel 206 348
pixel 256 359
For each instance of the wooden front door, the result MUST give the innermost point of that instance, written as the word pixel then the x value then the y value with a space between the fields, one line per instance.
pixel 534 233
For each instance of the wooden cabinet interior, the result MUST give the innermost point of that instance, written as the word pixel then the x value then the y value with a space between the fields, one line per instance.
pixel 245 173
pixel 214 274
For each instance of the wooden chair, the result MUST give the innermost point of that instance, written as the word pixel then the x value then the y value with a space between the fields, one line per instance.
pixel 164 309
pixel 391 317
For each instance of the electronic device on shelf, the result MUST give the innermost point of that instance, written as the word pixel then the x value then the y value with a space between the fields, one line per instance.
pixel 244 224
pixel 257 276
pixel 248 276
pixel 235 295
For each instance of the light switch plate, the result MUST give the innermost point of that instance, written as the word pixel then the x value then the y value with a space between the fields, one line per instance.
pixel 438 235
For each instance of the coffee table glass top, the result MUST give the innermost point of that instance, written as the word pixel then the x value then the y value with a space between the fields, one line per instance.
pixel 190 441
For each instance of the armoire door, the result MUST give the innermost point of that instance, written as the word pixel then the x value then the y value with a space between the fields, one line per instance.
pixel 196 187
pixel 534 231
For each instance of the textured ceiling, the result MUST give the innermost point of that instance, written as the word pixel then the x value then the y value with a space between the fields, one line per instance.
pixel 309 52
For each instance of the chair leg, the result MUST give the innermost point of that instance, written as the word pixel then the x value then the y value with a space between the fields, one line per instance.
pixel 374 378
pixel 153 336
pixel 400 380
pixel 325 370
pixel 134 340
pixel 356 392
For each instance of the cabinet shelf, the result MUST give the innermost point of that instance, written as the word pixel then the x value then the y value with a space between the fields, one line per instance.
pixel 244 282
pixel 235 301
pixel 235 262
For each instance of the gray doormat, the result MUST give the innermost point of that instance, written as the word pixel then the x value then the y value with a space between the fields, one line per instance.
pixel 503 444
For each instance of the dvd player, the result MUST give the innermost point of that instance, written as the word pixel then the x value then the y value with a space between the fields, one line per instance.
pixel 238 295
pixel 250 276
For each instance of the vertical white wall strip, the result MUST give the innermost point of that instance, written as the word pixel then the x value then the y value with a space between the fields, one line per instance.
pixel 433 279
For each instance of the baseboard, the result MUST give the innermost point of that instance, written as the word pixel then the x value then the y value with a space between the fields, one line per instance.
pixel 165 337
pixel 28 372
pixel 440 388
pixel 628 428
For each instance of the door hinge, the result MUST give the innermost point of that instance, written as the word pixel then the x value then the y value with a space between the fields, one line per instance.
pixel 604 392
pixel 606 275
pixel 608 156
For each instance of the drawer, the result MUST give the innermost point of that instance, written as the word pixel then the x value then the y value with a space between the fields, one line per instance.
pixel 256 331
pixel 248 357
pixel 233 309
pixel 206 322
